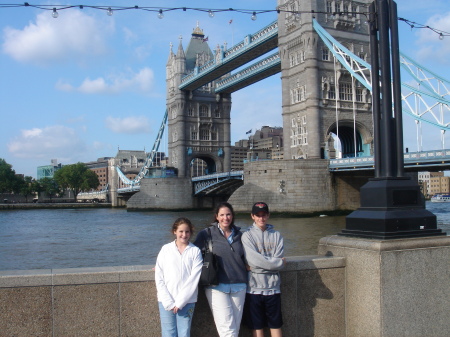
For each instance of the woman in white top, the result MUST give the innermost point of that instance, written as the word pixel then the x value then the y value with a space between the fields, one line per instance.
pixel 177 273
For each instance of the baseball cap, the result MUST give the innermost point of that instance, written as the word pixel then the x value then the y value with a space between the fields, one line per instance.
pixel 260 207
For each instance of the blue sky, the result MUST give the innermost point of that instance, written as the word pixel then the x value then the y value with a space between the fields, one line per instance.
pixel 79 87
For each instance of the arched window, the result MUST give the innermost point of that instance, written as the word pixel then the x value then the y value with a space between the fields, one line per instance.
pixel 203 111
pixel 204 134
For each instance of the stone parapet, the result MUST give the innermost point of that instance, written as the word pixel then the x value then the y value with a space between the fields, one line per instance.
pixel 394 287
pixel 121 301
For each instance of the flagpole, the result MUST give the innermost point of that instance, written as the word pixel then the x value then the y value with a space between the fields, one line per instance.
pixel 232 32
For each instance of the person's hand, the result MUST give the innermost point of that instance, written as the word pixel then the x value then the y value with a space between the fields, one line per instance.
pixel 284 260
pixel 175 310
pixel 248 267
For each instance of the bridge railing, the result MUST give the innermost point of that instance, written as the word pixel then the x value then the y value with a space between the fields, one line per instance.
pixel 410 159
pixel 218 175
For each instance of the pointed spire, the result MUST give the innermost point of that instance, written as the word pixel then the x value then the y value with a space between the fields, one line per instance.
pixel 180 51
pixel 171 54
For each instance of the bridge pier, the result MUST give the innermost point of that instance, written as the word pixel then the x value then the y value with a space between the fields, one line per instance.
pixel 297 186
pixel 163 193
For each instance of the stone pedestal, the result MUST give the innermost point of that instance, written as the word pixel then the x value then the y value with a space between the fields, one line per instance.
pixel 397 287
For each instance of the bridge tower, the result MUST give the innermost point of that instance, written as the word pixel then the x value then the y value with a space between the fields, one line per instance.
pixel 198 120
pixel 321 100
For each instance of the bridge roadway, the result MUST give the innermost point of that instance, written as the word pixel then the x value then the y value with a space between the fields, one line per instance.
pixel 433 160
pixel 253 46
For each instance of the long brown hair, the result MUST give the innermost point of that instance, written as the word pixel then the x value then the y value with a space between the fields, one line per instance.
pixel 223 205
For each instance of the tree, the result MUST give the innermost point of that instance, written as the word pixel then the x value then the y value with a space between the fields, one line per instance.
pixel 26 187
pixel 8 178
pixel 49 186
pixel 76 177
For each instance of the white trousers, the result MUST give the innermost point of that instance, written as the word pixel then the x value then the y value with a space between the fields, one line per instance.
pixel 227 311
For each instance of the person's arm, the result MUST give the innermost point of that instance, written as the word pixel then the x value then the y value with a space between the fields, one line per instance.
pixel 257 261
pixel 190 285
pixel 164 296
pixel 200 239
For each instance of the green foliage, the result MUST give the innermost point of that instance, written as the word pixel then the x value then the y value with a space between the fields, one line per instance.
pixel 49 186
pixel 26 187
pixel 76 177
pixel 9 182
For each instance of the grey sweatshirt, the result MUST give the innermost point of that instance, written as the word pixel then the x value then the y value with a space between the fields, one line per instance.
pixel 263 251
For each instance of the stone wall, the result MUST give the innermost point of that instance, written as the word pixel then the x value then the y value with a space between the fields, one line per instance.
pixel 121 301
pixel 163 193
pixel 299 186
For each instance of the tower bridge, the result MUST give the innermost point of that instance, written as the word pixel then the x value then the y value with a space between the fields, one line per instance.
pixel 326 95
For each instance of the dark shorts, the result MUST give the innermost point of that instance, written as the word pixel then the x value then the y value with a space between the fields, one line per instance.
pixel 263 311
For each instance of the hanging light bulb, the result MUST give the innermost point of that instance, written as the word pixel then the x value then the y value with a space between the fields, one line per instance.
pixel 109 12
pixel 254 16
pixel 55 13
pixel 160 14
pixel 441 36
pixel 211 13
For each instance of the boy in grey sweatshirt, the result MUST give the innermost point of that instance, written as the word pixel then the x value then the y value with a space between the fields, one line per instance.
pixel 264 251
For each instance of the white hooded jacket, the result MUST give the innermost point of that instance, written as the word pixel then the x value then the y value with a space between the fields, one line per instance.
pixel 177 275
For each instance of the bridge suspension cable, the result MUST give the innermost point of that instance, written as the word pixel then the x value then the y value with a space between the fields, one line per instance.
pixel 150 158
pixel 428 105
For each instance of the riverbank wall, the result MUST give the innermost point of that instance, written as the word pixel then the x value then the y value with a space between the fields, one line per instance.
pixel 121 301
pixel 24 206
pixel 356 287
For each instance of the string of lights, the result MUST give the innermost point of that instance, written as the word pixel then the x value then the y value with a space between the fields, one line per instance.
pixel 416 25
pixel 159 11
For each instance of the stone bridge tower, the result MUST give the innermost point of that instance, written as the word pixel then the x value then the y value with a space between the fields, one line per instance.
pixel 199 120
pixel 320 98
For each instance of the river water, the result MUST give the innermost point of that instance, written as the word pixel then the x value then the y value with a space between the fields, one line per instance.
pixel 72 238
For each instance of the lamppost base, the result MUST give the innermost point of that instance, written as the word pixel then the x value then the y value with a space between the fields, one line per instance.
pixel 391 208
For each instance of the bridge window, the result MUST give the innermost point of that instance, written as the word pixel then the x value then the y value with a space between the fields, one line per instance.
pixel 345 91
pixel 213 135
pixel 204 134
pixel 359 95
pixel 337 6
pixel 332 92
pixel 217 113
pixel 298 94
pixel 194 135
pixel 203 111
pixel 325 54
pixel 362 56
pixel 346 8
pixel 190 111
pixel 302 56
pixel 354 11
pixel 329 7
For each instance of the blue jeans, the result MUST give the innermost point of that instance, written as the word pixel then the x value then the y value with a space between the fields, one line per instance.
pixel 176 325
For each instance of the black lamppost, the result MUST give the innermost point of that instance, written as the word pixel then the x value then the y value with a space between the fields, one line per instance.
pixel 392 205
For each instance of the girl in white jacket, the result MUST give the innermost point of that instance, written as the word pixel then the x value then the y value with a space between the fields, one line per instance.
pixel 177 273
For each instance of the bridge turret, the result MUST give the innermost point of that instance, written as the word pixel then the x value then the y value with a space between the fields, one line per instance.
pixel 198 120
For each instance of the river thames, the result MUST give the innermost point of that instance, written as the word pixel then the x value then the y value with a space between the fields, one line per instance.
pixel 72 238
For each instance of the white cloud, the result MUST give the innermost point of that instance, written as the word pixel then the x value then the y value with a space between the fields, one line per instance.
pixel 70 37
pixel 128 125
pixel 431 47
pixel 114 84
pixel 50 142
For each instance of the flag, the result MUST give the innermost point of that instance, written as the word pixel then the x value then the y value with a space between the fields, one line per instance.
pixel 205 39
pixel 229 22
pixel 249 131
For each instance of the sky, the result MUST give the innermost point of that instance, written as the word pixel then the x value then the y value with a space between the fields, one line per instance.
pixel 83 85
